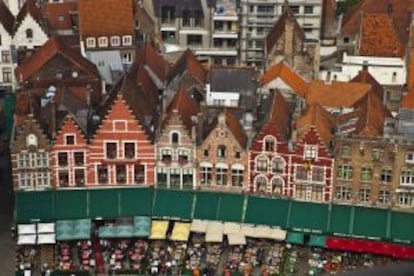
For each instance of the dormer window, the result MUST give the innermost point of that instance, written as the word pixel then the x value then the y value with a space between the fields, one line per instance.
pixel 103 42
pixel 115 41
pixel 29 33
pixel 90 42
pixel 311 152
pixel 269 144
pixel 127 40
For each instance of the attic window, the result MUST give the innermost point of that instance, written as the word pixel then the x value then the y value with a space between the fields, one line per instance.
pixel 29 33
pixel 90 42
pixel 103 42
pixel 70 139
pixel 115 41
pixel 127 40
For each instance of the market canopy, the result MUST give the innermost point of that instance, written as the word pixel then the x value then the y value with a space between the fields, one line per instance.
pixel 317 240
pixel 142 226
pixel 248 230
pixel 107 232
pixel 277 234
pixel 142 221
pixel 262 231
pixel 24 229
pixel 236 238
pixel 79 229
pixel 231 227
pixel 26 239
pixel 199 226
pixel 159 229
pixel 46 227
pixel 295 238
pixel 181 231
pixel 214 232
pixel 46 238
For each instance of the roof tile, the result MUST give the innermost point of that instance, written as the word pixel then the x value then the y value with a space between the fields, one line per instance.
pixel 365 77
pixel 6 18
pixel 58 15
pixel 235 127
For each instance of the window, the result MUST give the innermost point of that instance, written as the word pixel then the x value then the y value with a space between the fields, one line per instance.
pixel 265 9
pixel 301 173
pixel 111 149
pixel 63 159
pixel 218 42
pixel 205 175
pixel 344 172
pixel 346 40
pixel 377 154
pixel 194 40
pixel 269 144
pixel 407 177
pixel 103 42
pixel 221 151
pixel 168 36
pixel 129 149
pixel 237 177
pixel 278 165
pixel 394 76
pixel 317 193
pixel 183 157
pixel 186 18
pixel 42 160
pixel 405 199
pixel 126 40
pixel 7 74
pixel 120 174
pixel 29 33
pixel 188 178
pixel 277 186
pixel 294 9
pixel 386 176
pixel 102 174
pixel 261 184
pixel 300 191
pixel 261 164
pixel 63 179
pixel 23 160
pixel 70 139
pixel 237 155
pixel 366 174
pixel 409 157
pixel 115 41
pixel 343 193
pixel 175 178
pixel 162 177
pixel 79 158
pixel 139 174
pixel 5 56
pixel 364 195
pixel 309 30
pixel 166 155
pixel 24 180
pixel 218 25
pixel 79 178
pixel 167 15
pixel 205 153
pixel 252 9
pixel 42 178
pixel 127 58
pixel 221 174
pixel 318 174
pixel 198 18
pixel 90 42
pixel 175 138
pixel 311 152
pixel 384 197
pixel 308 9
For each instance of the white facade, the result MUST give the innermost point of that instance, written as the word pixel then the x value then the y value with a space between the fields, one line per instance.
pixel 221 98
pixel 388 71
pixel 14 5
pixel 24 38
pixel 6 63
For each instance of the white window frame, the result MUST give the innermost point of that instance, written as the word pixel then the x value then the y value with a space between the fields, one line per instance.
pixel 115 41
pixel 343 192
pixel 127 40
pixel 114 122
pixel 42 158
pixel 310 152
pixel 43 179
pixel 65 136
pixel 405 199
pixel 117 149
pixel 364 195
pixel 90 42
pixel 102 42
pixel 308 178
pixel 135 148
pixel 384 197
pixel 318 168
pixel 84 158
pixel 25 177
pixel 407 177
pixel 409 157
pixel 23 160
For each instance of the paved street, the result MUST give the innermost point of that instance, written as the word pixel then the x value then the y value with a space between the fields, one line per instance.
pixel 6 220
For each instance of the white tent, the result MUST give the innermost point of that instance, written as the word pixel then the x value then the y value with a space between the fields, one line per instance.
pixel 214 236
pixel 263 232
pixel 199 226
pixel 249 231
pixel 45 228
pixel 26 239
pixel 23 229
pixel 231 227
pixel 236 238
pixel 46 239
pixel 277 234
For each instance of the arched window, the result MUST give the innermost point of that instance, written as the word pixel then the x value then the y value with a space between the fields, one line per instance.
pixel 261 163
pixel 175 137
pixel 277 186
pixel 278 165
pixel 29 33
pixel 261 184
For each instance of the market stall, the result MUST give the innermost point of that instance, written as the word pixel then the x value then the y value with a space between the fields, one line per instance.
pixel 181 231
pixel 159 229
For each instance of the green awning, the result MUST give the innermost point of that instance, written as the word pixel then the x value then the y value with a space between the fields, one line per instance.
pixel 370 222
pixel 295 238
pixel 267 211
pixel 104 203
pixel 206 206
pixel 310 216
pixel 340 219
pixel 124 231
pixel 176 204
pixel 402 226
pixel 231 207
pixel 136 202
pixel 30 206
pixel 317 241
pixel 71 204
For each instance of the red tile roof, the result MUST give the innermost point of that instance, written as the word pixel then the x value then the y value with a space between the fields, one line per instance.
pixel 410 69
pixel 400 11
pixel 279 114
pixel 188 63
pixel 379 37
pixel 317 117
pixel 185 106
pixel 45 53
pixel 279 28
pixel 336 94
pixel 22 108
pixel 365 77
pixel 29 8
pixel 408 100
pixel 106 17
pixel 150 57
pixel 235 128
pixel 282 71
pixel 6 18
pixel 59 15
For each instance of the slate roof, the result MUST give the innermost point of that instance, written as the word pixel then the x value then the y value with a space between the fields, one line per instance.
pixel 282 71
pixel 6 18
pixel 117 17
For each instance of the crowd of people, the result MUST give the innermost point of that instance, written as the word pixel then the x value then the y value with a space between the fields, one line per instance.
pixel 25 258
pixel 75 256
pixel 115 253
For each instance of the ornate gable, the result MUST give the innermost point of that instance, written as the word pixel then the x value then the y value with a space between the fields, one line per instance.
pixel 30 137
